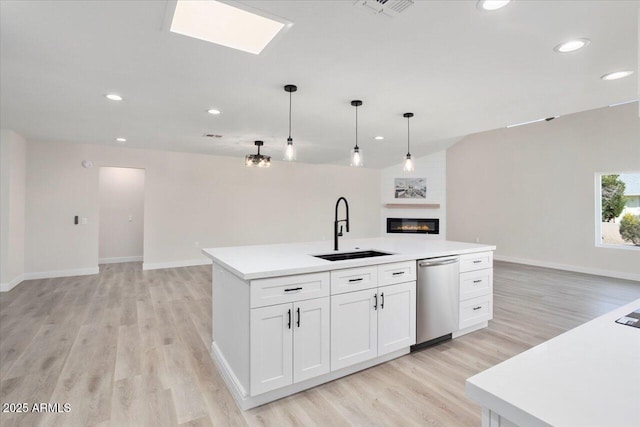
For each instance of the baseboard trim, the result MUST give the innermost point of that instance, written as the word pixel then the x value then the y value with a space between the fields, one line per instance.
pixel 62 273
pixel 174 264
pixel 574 268
pixel 117 260
pixel 6 287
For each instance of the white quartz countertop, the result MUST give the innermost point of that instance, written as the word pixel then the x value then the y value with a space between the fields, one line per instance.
pixel 588 376
pixel 254 262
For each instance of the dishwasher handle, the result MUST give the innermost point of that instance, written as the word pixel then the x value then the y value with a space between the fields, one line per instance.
pixel 437 262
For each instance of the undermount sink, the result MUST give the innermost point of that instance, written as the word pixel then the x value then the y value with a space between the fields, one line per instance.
pixel 351 255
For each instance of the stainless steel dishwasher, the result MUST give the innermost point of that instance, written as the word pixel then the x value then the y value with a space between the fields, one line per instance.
pixel 437 299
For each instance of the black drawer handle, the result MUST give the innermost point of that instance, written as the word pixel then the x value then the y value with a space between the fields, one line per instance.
pixel 293 289
pixel 477 281
pixel 477 308
pixel 359 279
pixel 477 261
pixel 398 273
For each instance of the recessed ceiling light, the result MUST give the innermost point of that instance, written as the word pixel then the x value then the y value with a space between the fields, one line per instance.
pixel 113 97
pixel 121 139
pixel 490 5
pixel 214 111
pixel 379 138
pixel 617 75
pixel 226 25
pixel 572 45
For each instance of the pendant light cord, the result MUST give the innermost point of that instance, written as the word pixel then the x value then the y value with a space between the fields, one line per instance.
pixel 356 126
pixel 289 115
pixel 408 137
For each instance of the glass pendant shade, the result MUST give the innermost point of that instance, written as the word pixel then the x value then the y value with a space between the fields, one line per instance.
pixel 290 151
pixel 408 164
pixel 356 153
pixel 356 157
pixel 257 160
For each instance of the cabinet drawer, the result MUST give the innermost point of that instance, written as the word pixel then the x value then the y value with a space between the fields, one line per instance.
pixel 476 283
pixel 397 272
pixel 354 279
pixel 475 310
pixel 278 290
pixel 471 262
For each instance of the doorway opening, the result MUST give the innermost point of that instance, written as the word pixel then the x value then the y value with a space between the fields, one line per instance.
pixel 121 229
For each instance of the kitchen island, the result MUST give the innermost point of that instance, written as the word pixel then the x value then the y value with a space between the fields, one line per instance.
pixel 588 376
pixel 285 320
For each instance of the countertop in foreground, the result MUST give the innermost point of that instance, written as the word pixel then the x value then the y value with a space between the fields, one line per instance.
pixel 255 262
pixel 588 376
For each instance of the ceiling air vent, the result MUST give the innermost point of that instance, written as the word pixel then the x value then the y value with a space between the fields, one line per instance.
pixel 212 135
pixel 389 8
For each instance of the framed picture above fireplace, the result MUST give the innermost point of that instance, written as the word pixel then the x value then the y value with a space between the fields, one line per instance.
pixel 410 188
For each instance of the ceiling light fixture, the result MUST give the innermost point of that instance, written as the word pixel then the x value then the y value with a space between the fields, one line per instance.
pixel 214 112
pixel 408 161
pixel 546 119
pixel 379 138
pixel 258 160
pixel 491 5
pixel 290 151
pixel 572 45
pixel 226 25
pixel 617 75
pixel 113 97
pixel 356 155
pixel 121 139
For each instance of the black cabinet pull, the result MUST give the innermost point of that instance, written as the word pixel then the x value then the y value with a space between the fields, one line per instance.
pixel 477 308
pixel 293 289
pixel 298 317
pixel 356 280
pixel 382 300
pixel 375 305
pixel 398 273
pixel 477 281
pixel 289 325
pixel 477 261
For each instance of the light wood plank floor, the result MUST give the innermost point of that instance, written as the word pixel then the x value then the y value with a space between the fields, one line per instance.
pixel 128 347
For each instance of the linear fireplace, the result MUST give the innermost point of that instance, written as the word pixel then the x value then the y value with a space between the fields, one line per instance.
pixel 413 225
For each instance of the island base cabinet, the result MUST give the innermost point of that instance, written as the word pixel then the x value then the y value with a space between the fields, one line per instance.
pixel 354 328
pixel 289 343
pixel 311 344
pixel 396 317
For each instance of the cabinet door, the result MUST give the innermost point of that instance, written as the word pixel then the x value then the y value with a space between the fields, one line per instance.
pixel 271 348
pixel 396 317
pixel 354 328
pixel 311 346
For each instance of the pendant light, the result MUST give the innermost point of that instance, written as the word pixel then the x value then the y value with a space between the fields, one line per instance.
pixel 290 151
pixel 408 161
pixel 356 154
pixel 259 160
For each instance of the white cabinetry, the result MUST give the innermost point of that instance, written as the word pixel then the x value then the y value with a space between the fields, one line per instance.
pixel 289 342
pixel 476 291
pixel 372 322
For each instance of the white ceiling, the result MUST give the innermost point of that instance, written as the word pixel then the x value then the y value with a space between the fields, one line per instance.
pixel 459 70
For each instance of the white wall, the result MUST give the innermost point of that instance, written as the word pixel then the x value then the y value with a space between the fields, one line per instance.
pixel 12 208
pixel 431 167
pixel 530 190
pixel 121 216
pixel 189 198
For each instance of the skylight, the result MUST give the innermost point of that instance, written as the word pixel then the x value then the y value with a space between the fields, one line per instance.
pixel 223 24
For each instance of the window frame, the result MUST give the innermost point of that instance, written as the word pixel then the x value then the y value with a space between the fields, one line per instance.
pixel 598 213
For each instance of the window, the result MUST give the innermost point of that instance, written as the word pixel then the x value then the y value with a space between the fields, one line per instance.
pixel 618 210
